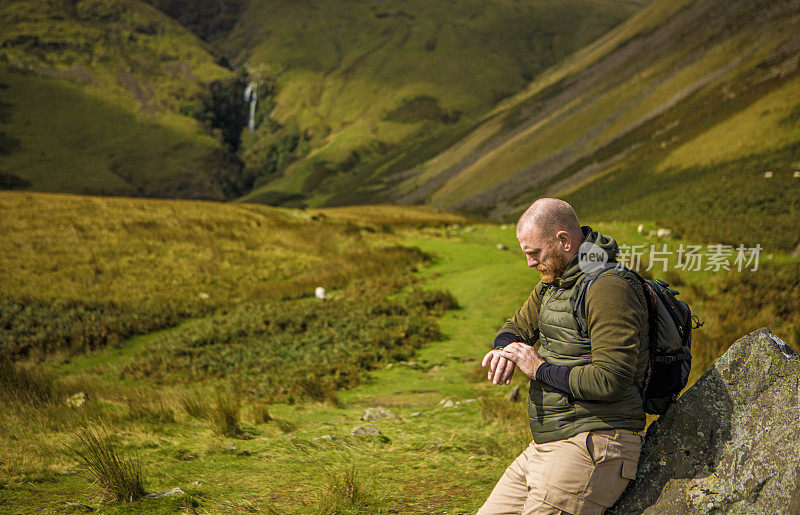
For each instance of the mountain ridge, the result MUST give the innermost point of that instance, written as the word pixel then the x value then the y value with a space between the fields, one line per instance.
pixel 673 94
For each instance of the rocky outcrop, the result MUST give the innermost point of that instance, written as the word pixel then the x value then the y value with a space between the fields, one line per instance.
pixel 378 413
pixel 731 443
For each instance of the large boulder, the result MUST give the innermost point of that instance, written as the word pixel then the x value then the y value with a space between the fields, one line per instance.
pixel 731 443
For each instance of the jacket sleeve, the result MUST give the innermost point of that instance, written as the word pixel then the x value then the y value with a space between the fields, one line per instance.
pixel 525 322
pixel 617 317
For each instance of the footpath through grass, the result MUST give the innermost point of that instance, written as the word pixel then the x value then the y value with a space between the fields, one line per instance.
pixel 451 436
pixel 302 458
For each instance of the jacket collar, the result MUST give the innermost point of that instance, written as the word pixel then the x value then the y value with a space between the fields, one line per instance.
pixel 572 273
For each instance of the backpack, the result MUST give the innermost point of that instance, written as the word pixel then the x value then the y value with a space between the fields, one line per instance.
pixel 670 338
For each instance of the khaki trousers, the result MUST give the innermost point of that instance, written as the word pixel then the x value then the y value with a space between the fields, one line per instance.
pixel 584 474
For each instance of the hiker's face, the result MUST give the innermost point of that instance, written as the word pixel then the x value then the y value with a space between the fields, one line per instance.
pixel 544 253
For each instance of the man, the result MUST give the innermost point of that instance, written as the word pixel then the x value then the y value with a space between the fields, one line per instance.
pixel 585 409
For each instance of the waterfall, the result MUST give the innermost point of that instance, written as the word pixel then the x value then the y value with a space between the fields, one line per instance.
pixel 250 95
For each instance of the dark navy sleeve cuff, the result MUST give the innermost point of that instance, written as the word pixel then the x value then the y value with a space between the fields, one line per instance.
pixel 556 376
pixel 503 339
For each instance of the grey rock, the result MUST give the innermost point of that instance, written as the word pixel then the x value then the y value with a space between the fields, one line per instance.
pixel 730 442
pixel 378 413
pixel 448 404
pixel 168 493
pixel 229 446
pixel 365 431
pixel 325 437
pixel 513 395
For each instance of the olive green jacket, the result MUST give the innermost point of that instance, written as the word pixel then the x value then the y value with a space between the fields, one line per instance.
pixel 608 367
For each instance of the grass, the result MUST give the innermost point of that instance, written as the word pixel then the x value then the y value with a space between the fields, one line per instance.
pixel 85 273
pixel 226 415
pixel 300 456
pixel 114 74
pixel 145 405
pixel 195 405
pixel 346 491
pixel 351 95
pixel 118 477
pixel 141 76
pixel 316 347
pixel 678 116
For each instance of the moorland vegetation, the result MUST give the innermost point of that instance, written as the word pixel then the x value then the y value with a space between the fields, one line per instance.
pixel 252 399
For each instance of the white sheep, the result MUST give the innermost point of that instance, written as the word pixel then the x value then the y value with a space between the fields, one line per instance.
pixel 320 293
pixel 640 229
pixel 664 233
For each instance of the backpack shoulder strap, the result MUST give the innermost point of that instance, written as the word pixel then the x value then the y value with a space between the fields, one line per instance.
pixel 579 308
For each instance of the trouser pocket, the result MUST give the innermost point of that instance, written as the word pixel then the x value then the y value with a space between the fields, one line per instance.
pixel 591 470
pixel 615 454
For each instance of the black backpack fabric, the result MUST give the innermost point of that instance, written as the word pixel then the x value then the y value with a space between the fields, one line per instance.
pixel 670 337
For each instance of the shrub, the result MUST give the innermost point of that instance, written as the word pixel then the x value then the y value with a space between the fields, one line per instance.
pixel 260 413
pixel 226 415
pixel 149 406
pixel 345 492
pixel 119 478
pixel 296 350
pixel 499 410
pixel 30 385
pixel 195 405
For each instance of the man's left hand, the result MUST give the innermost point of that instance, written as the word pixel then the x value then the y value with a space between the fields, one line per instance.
pixel 525 356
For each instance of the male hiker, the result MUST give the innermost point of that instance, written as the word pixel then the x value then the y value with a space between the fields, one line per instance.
pixel 585 409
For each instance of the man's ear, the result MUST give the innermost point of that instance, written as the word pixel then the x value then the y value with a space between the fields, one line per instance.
pixel 564 238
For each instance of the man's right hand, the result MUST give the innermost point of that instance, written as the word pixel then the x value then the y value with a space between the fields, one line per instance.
pixel 500 369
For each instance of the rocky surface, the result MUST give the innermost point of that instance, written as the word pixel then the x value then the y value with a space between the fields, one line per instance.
pixel 378 413
pixel 732 441
pixel 365 431
pixel 168 493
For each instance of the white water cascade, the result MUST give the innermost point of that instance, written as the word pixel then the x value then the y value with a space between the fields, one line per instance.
pixel 250 95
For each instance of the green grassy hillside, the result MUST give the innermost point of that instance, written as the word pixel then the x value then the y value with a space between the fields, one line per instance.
pixel 80 273
pixel 675 115
pixel 104 96
pixel 370 88
pixel 240 388
pixel 96 95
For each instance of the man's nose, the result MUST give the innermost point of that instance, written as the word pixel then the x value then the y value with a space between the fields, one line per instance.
pixel 531 262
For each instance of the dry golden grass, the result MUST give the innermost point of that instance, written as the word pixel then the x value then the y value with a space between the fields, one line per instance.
pixel 86 272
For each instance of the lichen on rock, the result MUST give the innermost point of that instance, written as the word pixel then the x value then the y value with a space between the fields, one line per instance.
pixel 730 442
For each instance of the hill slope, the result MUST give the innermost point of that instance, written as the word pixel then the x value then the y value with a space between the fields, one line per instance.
pixel 362 89
pixel 92 99
pixel 674 115
pixel 146 309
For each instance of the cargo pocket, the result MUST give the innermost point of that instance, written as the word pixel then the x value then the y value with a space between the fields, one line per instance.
pixel 616 456
pixel 629 469
pixel 571 503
